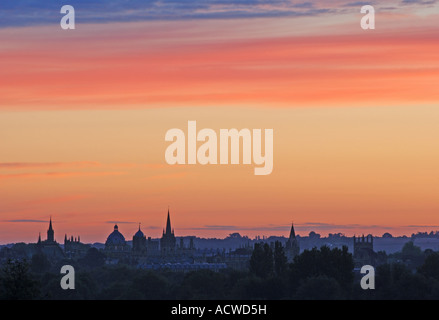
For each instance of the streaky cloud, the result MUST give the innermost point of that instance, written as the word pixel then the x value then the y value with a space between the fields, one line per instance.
pixel 306 226
pixel 36 12
pixel 21 165
pixel 120 222
pixel 25 221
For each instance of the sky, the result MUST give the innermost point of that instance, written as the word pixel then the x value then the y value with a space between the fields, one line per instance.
pixel 84 113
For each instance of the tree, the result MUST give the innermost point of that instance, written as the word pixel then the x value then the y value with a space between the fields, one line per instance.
pixel 93 258
pixel 16 282
pixel 261 260
pixel 412 254
pixel 280 259
pixel 151 285
pixel 313 235
pixel 253 287
pixel 410 251
pixel 336 263
pixel 430 268
pixel 319 288
pixel 86 288
pixel 40 263
pixel 202 284
pixel 397 281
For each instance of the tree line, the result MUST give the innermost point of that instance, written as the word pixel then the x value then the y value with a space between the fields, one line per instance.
pixel 321 274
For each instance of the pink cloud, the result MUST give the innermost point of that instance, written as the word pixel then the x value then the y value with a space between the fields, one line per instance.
pixel 26 165
pixel 187 64
pixel 57 175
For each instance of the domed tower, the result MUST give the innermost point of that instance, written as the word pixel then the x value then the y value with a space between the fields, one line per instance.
pixel 139 243
pixel 116 242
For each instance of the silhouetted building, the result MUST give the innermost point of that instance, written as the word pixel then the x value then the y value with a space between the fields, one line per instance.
pixel 116 246
pixel 168 242
pixel 292 247
pixel 153 247
pixel 139 243
pixel 74 248
pixel 239 259
pixel 50 233
pixel 363 251
pixel 49 246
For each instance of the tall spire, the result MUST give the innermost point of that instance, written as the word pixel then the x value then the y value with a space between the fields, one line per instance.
pixel 292 248
pixel 168 224
pixel 50 232
pixel 292 233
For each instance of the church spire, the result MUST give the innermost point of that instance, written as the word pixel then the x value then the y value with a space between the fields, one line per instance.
pixel 292 248
pixel 292 233
pixel 50 232
pixel 168 224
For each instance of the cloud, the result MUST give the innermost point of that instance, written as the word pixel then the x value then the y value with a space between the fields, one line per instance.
pixel 133 222
pixel 53 174
pixel 243 228
pixel 219 65
pixel 26 165
pixel 358 4
pixel 307 226
pixel 176 175
pixel 54 200
pixel 418 2
pixel 239 228
pixel 57 175
pixel 332 226
pixel 420 226
pixel 153 166
pixel 26 221
pixel 303 5
pixel 121 222
pixel 36 12
pixel 220 227
pixel 151 227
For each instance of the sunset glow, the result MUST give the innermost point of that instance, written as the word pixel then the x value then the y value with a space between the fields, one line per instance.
pixel 83 116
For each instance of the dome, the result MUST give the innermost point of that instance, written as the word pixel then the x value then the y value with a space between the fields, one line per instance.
pixel 115 238
pixel 139 234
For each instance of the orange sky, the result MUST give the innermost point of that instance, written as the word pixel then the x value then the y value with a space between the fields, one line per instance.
pixel 83 116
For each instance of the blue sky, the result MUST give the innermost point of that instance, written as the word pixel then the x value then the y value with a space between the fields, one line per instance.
pixel 38 12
